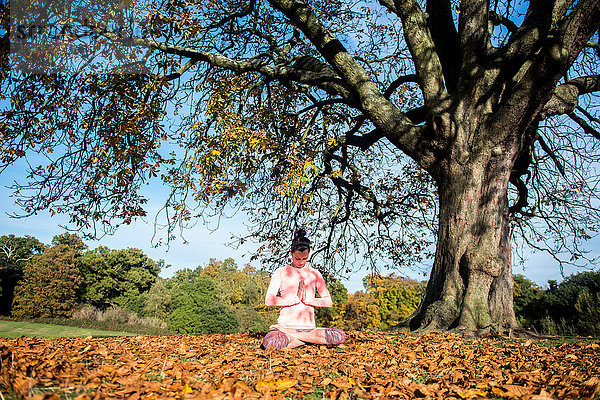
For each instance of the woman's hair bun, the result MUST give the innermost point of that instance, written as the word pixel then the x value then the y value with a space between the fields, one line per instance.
pixel 300 232
pixel 300 242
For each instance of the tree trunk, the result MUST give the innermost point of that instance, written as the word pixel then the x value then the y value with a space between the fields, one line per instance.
pixel 471 284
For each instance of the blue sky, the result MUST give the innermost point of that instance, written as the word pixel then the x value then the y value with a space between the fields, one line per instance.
pixel 204 242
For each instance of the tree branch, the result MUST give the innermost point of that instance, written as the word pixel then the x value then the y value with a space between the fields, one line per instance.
pixel 587 128
pixel 522 194
pixel 565 97
pixel 364 141
pixel 384 114
pixel 588 115
pixel 552 155
pixel 354 186
pixel 595 46
pixel 324 79
pixel 524 42
pixel 445 37
pixel 498 19
pixel 576 29
pixel 422 48
pixel 560 9
pixel 180 71
pixel 389 4
pixel 473 32
pixel 397 83
pixel 238 14
pixel 10 251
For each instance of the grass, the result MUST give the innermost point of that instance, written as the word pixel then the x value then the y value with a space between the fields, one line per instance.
pixel 12 329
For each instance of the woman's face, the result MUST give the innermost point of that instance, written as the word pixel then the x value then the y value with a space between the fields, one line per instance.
pixel 299 258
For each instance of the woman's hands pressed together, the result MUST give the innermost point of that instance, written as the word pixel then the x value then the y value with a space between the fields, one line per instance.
pixel 301 290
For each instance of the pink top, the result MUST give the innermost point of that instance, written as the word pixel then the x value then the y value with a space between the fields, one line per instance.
pixel 294 313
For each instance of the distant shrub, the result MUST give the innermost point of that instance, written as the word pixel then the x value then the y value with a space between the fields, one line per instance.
pixel 212 318
pixel 571 308
pixel 574 304
pixel 261 323
pixel 85 312
pixel 396 297
pixel 255 322
pixel 588 313
pixel 217 318
pixel 119 320
pixel 527 301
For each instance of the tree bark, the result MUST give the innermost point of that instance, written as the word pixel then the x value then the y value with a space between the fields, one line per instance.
pixel 471 282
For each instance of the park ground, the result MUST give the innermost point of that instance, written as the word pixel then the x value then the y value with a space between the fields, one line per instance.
pixel 368 365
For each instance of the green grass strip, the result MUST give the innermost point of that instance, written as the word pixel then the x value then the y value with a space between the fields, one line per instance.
pixel 12 329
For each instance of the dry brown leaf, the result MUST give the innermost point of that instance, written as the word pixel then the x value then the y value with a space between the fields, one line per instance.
pixel 370 365
pixel 275 384
pixel 343 382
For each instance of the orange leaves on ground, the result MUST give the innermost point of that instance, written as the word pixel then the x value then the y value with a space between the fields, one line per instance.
pixel 268 385
pixel 367 365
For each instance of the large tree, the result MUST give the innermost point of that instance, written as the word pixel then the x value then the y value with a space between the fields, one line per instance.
pixel 49 286
pixel 116 277
pixel 375 123
pixel 14 253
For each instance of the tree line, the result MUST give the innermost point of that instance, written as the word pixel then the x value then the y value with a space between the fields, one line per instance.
pixel 65 280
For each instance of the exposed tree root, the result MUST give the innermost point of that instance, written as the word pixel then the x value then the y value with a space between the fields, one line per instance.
pixel 491 331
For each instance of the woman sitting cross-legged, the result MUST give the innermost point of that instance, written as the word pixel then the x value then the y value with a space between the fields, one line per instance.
pixel 297 284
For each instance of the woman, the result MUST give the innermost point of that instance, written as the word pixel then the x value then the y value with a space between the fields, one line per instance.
pixel 297 285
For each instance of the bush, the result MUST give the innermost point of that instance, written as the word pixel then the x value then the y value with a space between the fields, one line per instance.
pixel 217 318
pixel 85 312
pixel 573 304
pixel 397 297
pixel 527 301
pixel 252 321
pixel 119 320
pixel 262 323
pixel 588 312
pixel 570 308
pixel 212 318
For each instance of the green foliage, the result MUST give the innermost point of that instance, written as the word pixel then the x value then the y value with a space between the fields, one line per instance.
pixel 116 277
pixel 569 308
pixel 217 318
pixel 588 313
pixel 71 240
pixel 261 322
pixel 14 252
pixel 573 306
pixel 219 297
pixel 527 300
pixel 157 300
pixel 190 289
pixel 49 286
pixel 210 318
pixel 397 298
pixel 196 306
pixel 229 281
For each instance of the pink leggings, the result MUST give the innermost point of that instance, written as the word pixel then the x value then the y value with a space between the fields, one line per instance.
pixel 279 340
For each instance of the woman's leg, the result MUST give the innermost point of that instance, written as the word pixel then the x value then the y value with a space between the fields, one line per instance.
pixel 327 336
pixel 279 340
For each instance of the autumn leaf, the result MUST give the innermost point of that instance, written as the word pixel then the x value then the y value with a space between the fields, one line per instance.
pixel 370 365
pixel 343 382
pixel 275 384
pixel 187 389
